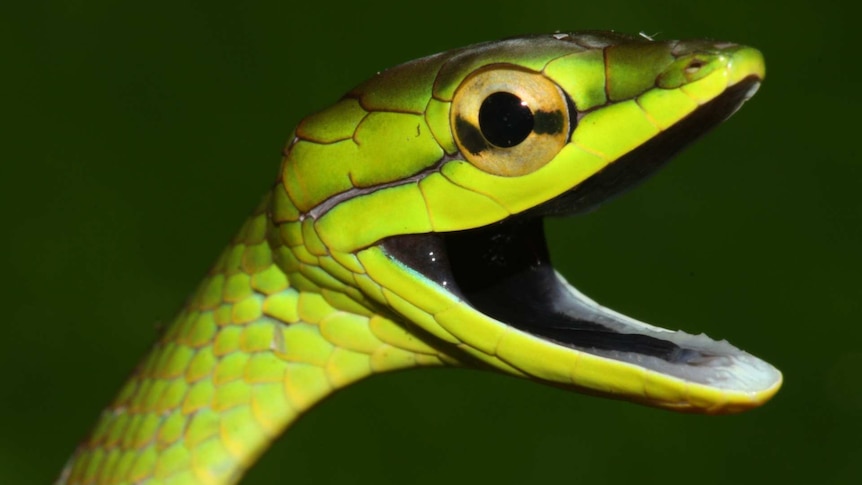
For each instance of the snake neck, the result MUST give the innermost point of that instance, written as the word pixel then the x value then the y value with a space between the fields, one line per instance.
pixel 278 324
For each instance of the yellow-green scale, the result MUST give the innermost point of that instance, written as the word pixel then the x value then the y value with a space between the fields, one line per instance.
pixel 276 325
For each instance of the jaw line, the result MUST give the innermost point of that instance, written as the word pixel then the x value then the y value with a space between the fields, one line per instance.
pixel 529 296
pixel 504 272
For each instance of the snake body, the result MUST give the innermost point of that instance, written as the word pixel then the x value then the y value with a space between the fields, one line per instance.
pixel 405 230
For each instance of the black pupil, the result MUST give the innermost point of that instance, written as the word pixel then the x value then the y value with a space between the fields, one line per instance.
pixel 505 120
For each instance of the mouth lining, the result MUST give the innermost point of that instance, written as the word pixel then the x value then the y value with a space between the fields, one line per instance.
pixel 504 271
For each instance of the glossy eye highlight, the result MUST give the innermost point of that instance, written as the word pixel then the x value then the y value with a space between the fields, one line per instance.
pixel 508 121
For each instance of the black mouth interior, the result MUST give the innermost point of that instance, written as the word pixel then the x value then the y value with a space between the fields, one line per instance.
pixel 504 270
pixel 507 275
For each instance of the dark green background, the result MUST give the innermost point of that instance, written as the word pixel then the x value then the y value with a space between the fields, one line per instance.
pixel 137 136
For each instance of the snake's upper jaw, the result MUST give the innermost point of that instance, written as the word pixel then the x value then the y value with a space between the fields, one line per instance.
pixel 638 165
pixel 503 271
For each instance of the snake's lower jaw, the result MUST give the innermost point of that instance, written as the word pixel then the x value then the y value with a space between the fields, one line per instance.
pixel 503 271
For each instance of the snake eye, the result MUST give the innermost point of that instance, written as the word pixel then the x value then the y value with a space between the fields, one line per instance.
pixel 510 122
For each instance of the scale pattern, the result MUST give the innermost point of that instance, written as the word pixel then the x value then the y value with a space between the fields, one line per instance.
pixel 253 348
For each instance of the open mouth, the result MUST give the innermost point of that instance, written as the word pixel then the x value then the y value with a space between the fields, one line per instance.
pixel 504 271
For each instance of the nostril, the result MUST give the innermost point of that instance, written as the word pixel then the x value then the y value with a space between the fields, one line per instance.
pixel 694 66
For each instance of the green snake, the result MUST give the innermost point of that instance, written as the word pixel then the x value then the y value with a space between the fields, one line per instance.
pixel 405 230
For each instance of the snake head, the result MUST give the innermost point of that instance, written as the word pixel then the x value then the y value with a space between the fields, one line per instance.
pixel 426 187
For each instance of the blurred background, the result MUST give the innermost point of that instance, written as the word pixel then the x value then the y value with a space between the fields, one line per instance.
pixel 138 135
